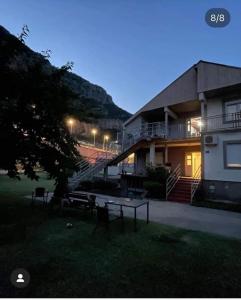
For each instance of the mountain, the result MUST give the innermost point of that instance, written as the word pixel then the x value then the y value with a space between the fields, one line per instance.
pixel 92 99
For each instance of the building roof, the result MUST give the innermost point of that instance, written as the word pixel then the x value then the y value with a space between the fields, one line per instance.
pixel 201 77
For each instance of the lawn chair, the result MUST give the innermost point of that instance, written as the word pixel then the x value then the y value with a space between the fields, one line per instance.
pixel 40 193
pixel 105 216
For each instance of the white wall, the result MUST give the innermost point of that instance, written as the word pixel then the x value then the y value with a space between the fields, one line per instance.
pixel 214 107
pixel 214 160
pixel 134 125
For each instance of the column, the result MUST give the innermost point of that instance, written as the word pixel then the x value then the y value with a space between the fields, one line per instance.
pixel 166 153
pixel 152 155
pixel 105 173
pixel 166 123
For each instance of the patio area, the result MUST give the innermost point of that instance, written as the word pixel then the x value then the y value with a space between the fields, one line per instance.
pixel 185 216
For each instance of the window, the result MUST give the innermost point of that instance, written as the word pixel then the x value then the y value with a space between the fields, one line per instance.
pixel 232 154
pixel 232 110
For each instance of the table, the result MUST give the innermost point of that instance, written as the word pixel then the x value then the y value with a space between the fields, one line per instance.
pixel 133 203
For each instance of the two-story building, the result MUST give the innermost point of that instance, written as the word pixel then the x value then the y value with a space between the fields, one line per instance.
pixel 193 126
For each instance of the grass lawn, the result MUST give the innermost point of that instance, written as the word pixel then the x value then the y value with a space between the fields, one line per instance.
pixel 157 261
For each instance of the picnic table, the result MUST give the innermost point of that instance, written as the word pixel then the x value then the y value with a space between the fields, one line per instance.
pixel 132 203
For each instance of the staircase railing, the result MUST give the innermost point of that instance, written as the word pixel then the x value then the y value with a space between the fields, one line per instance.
pixel 173 179
pixel 89 167
pixel 195 182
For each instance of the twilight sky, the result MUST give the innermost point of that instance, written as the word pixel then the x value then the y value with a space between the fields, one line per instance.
pixel 132 48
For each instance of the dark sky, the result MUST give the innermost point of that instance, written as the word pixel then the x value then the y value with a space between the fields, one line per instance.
pixel 132 48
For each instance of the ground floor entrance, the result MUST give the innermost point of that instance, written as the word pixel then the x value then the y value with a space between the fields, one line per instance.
pixel 192 163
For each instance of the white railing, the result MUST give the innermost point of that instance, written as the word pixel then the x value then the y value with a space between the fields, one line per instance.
pixel 89 167
pixel 222 122
pixel 158 130
pixel 196 182
pixel 173 179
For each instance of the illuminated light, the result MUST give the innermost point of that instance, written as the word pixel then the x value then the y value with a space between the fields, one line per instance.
pixel 71 122
pixel 94 131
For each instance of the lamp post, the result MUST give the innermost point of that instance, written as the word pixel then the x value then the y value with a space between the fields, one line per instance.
pixel 94 131
pixel 105 140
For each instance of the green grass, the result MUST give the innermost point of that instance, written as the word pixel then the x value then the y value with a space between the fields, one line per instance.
pixel 157 261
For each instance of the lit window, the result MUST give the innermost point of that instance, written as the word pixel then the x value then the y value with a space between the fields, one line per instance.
pixel 232 154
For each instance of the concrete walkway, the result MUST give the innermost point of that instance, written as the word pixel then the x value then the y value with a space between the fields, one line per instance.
pixel 209 220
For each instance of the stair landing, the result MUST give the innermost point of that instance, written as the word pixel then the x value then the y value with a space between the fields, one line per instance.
pixel 182 191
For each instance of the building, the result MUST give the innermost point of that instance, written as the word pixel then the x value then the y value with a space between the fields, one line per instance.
pixel 193 126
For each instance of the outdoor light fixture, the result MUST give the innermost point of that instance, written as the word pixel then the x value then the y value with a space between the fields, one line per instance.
pixel 94 131
pixel 70 122
pixel 105 140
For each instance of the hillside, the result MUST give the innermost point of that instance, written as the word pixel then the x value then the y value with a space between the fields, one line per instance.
pixel 92 105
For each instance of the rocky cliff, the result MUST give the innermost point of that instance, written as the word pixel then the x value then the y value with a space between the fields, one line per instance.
pixel 102 111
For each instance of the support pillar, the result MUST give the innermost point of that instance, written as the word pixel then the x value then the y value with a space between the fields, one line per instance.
pixel 152 155
pixel 203 102
pixel 166 123
pixel 105 173
pixel 166 154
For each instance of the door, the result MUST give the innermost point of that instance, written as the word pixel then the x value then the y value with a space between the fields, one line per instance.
pixel 196 162
pixel 188 164
pixel 192 163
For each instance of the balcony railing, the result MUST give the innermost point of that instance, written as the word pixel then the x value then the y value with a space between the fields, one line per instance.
pixel 158 130
pixel 222 122
pixel 183 130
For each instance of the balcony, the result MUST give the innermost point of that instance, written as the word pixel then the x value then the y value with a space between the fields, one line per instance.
pixel 222 122
pixel 181 130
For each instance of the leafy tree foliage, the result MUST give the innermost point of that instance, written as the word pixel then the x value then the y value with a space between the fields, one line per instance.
pixel 34 104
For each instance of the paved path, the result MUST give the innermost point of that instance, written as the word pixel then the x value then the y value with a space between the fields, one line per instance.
pixel 209 220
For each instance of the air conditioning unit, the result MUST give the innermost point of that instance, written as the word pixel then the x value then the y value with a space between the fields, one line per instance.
pixel 211 140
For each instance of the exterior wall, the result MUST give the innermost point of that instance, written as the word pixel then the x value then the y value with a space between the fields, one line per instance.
pixel 214 159
pixel 159 157
pixel 222 190
pixel 214 76
pixel 140 162
pixel 176 155
pixel 133 126
pixel 214 107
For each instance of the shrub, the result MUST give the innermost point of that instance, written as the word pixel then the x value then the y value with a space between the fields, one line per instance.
pixel 155 189
pixel 158 174
pixel 104 184
pixel 86 185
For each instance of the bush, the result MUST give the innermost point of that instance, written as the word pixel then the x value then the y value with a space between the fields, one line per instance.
pixel 86 185
pixel 155 189
pixel 104 184
pixel 159 174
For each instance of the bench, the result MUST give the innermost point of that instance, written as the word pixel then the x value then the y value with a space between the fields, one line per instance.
pixel 79 201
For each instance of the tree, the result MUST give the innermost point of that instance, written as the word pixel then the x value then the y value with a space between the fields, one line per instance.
pixel 34 104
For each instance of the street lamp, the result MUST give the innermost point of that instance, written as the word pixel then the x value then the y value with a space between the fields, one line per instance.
pixel 94 131
pixel 71 123
pixel 106 139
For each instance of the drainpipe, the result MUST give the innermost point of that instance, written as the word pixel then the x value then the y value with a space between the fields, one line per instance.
pixel 203 101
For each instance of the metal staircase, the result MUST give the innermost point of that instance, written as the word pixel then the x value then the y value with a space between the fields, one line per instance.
pixel 182 189
pixel 90 167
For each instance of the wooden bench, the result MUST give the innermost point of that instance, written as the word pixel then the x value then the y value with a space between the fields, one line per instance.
pixel 79 201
